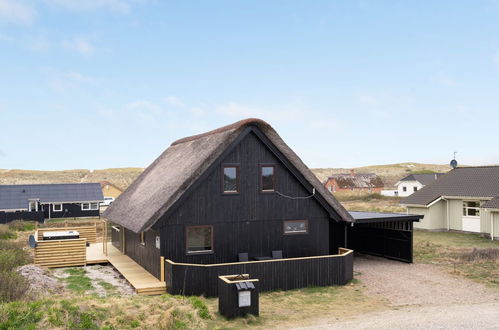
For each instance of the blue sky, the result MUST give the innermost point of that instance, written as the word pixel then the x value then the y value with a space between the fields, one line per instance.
pixel 111 83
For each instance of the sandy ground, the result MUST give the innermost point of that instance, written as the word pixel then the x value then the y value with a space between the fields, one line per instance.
pixel 419 296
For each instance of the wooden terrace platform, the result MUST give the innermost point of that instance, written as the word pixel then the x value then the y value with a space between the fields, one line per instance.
pixel 143 282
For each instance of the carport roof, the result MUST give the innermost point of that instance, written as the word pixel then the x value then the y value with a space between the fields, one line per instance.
pixel 372 217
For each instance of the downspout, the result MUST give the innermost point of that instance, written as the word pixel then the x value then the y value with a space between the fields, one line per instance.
pixel 50 208
pixel 491 225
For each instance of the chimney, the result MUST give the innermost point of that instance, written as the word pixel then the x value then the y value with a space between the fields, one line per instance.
pixel 352 172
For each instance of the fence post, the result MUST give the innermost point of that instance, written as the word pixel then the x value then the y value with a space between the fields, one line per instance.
pixel 162 269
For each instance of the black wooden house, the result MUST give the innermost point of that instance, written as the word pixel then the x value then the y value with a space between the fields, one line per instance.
pixel 228 198
pixel 47 201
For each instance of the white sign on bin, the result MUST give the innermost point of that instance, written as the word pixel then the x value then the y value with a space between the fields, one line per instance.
pixel 244 298
pixel 158 242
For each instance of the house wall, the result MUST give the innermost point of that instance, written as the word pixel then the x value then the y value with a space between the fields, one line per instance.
pixel 68 211
pixel 495 216
pixel 434 216
pixel 147 255
pixel 410 188
pixel 250 221
pixel 455 214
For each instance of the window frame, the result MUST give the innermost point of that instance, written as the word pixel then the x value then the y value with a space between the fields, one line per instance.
pixel 89 206
pixel 274 181
pixel 306 232
pixel 238 179
pixel 54 209
pixel 404 188
pixel 85 209
pixel 476 208
pixel 190 253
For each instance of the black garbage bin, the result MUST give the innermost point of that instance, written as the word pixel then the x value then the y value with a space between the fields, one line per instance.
pixel 238 295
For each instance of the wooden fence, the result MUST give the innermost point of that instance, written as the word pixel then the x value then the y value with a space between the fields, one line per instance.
pixel 6 217
pixel 61 253
pixel 87 232
pixel 277 274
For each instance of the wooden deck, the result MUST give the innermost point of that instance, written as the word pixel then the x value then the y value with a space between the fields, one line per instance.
pixel 143 281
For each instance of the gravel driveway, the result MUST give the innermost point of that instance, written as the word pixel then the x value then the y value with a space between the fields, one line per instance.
pixel 420 296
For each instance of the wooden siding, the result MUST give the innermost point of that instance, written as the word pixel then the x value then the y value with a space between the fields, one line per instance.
pixel 485 217
pixel 73 211
pixel 61 253
pixel 148 256
pixel 87 232
pixel 6 217
pixel 250 221
pixel 435 216
pixel 280 274
pixel 455 208
pixel 495 216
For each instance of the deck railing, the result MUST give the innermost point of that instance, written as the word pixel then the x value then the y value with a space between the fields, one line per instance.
pixel 275 274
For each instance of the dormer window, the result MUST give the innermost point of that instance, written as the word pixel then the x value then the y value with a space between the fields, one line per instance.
pixel 230 179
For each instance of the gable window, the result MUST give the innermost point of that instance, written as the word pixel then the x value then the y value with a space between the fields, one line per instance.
pixel 57 207
pixel 89 206
pixel 230 179
pixel 199 239
pixel 471 208
pixel 295 227
pixel 143 238
pixel 404 188
pixel 415 189
pixel 267 178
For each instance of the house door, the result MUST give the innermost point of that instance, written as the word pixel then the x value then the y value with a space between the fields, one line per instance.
pixel 471 224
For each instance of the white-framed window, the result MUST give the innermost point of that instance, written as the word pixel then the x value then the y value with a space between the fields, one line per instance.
pixel 404 188
pixel 57 207
pixel 471 208
pixel 415 189
pixel 89 206
pixel 295 227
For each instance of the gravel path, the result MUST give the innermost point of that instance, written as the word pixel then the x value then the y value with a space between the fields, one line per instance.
pixel 420 297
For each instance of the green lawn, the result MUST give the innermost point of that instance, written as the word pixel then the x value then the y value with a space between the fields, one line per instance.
pixel 469 255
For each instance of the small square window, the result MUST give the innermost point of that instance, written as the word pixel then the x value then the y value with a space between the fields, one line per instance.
pixel 267 178
pixel 415 189
pixel 230 179
pixel 295 227
pixel 404 188
pixel 85 206
pixel 57 207
pixel 199 239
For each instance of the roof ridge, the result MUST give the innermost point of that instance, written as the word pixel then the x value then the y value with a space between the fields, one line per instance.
pixel 238 124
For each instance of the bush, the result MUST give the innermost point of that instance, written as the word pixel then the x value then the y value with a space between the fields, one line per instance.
pixel 12 255
pixel 6 233
pixel 480 254
pixel 12 286
pixel 21 225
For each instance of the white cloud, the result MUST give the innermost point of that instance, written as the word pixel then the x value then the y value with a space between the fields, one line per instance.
pixel 175 101
pixel 240 110
pixel 38 44
pixel 64 81
pixel 16 12
pixel 145 109
pixel 122 6
pixel 81 46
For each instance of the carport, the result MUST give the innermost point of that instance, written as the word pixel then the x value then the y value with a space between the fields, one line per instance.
pixel 387 235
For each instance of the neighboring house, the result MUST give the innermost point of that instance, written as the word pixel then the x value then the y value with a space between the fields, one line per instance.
pixel 465 199
pixel 110 190
pixel 47 201
pixel 414 182
pixel 237 190
pixel 364 182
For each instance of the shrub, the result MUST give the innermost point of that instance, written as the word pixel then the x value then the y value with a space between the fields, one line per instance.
pixel 198 304
pixel 21 225
pixel 6 233
pixel 480 254
pixel 12 286
pixel 12 255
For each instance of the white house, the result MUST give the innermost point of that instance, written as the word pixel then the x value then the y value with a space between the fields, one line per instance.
pixel 465 199
pixel 414 182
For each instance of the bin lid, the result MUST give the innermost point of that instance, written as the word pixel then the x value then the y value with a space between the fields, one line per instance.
pixel 61 233
pixel 243 286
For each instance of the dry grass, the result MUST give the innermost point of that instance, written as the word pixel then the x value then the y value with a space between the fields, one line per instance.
pixel 369 202
pixel 469 255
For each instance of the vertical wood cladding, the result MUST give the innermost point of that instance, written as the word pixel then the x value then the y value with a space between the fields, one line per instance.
pixel 147 255
pixel 69 210
pixel 272 275
pixel 250 221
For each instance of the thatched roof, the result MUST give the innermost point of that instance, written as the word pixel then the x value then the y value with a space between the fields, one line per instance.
pixel 178 167
pixel 357 180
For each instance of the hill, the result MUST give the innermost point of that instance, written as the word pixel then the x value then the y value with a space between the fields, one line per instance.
pixel 390 173
pixel 123 177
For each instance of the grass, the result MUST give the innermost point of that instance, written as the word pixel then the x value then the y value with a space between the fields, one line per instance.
pixel 469 255
pixel 77 281
pixel 12 285
pixel 369 202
